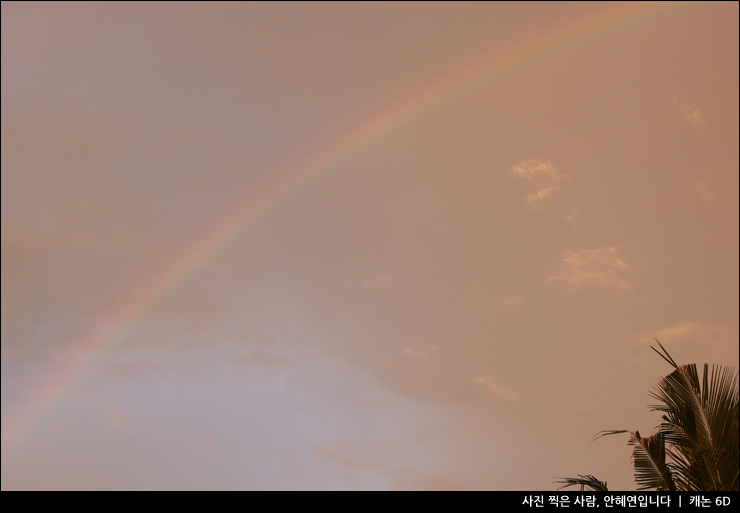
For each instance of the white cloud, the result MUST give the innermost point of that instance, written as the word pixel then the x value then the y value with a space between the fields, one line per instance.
pixel 532 168
pixel 543 174
pixel 684 332
pixel 691 113
pixel 715 186
pixel 573 214
pixel 495 389
pixel 421 350
pixel 599 267
pixel 698 342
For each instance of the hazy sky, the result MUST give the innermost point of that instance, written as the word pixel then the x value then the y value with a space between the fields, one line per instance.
pixel 358 246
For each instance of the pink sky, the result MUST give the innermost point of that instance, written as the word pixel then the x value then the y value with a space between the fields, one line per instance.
pixel 358 246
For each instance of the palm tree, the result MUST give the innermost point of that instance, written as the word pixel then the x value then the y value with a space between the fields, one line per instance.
pixel 695 448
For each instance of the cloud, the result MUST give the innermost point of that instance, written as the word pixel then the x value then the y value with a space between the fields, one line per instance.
pixel 494 389
pixel 421 350
pixel 691 113
pixel 574 214
pixel 599 267
pixel 531 168
pixel 715 186
pixel 686 332
pixel 543 174
pixel 698 341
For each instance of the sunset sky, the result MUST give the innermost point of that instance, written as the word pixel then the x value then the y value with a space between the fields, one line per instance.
pixel 358 246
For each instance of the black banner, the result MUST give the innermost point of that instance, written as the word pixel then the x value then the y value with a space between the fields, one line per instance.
pixel 620 500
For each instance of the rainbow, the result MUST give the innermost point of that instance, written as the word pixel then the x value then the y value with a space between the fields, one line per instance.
pixel 457 83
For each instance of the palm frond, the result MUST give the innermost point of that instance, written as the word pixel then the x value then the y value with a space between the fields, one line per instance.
pixel 587 482
pixel 700 424
pixel 609 432
pixel 649 460
pixel 664 354
pixel 696 446
pixel 720 401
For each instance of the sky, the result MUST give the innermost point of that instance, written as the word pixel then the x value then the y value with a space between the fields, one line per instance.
pixel 358 246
